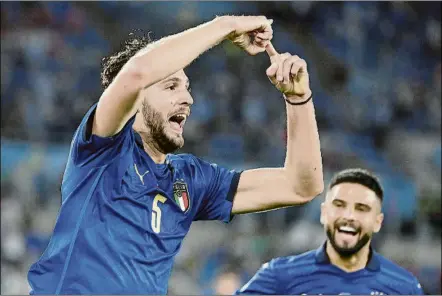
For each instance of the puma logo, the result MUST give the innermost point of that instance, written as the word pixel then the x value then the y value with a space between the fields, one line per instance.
pixel 138 173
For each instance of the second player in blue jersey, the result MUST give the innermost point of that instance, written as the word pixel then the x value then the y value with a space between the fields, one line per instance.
pixel 127 202
pixel 346 264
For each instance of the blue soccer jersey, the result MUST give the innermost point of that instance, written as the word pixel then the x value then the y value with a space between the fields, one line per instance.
pixel 312 273
pixel 123 217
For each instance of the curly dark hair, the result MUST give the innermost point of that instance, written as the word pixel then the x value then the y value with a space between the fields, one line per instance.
pixel 359 176
pixel 112 64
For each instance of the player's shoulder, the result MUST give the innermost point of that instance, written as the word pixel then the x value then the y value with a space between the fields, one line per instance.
pixel 390 273
pixel 394 271
pixel 306 259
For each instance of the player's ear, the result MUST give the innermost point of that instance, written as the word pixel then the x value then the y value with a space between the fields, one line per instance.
pixel 322 219
pixel 379 220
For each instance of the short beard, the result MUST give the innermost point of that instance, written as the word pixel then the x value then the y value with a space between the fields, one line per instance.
pixel 157 136
pixel 347 252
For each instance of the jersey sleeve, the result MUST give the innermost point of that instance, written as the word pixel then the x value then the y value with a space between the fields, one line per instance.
pixel 219 187
pixel 89 149
pixel 417 288
pixel 264 282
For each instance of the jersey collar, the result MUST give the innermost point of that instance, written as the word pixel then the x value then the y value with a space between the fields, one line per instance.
pixel 373 260
pixel 138 140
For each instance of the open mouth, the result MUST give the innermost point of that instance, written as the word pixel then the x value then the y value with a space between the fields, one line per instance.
pixel 347 230
pixel 177 121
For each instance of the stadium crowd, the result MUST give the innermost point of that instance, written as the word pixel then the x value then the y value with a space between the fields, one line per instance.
pixel 385 58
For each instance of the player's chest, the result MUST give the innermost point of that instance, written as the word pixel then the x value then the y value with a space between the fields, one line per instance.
pixel 326 285
pixel 161 203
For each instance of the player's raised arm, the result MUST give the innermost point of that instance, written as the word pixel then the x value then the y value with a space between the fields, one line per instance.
pixel 166 56
pixel 301 178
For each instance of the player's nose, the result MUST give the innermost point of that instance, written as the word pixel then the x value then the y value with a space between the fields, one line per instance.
pixel 349 214
pixel 185 99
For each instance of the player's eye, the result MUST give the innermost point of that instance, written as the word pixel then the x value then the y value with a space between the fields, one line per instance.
pixel 171 87
pixel 338 204
pixel 189 89
pixel 363 208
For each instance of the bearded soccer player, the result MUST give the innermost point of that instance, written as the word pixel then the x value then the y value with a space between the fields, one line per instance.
pixel 345 264
pixel 127 202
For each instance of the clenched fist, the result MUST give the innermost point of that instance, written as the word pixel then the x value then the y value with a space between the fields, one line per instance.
pixel 251 33
pixel 289 75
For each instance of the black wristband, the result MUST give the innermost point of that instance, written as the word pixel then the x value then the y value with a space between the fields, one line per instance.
pixel 299 103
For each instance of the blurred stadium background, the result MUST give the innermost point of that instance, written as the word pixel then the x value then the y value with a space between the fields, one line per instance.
pixel 376 76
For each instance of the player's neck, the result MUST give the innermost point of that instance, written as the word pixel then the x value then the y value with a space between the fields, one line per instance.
pixel 157 156
pixel 353 263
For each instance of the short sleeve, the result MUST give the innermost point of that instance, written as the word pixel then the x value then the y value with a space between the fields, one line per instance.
pixel 264 282
pixel 89 149
pixel 219 187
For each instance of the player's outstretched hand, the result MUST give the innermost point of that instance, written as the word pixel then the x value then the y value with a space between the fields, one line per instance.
pixel 288 73
pixel 251 33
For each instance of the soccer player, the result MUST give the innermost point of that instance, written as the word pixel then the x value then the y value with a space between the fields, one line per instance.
pixel 127 202
pixel 345 264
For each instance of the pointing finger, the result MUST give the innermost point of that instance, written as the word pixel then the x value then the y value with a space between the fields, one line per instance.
pixel 271 51
pixel 282 59
pixel 271 71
